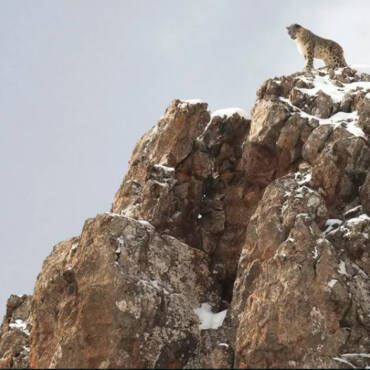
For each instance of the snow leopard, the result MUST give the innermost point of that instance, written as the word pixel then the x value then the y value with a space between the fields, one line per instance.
pixel 312 46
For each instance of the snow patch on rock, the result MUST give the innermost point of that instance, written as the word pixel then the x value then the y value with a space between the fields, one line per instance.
pixel 332 282
pixel 20 325
pixel 164 168
pixel 185 102
pixel 229 112
pixel 325 84
pixel 359 219
pixel 207 318
pixel 332 224
pixel 342 268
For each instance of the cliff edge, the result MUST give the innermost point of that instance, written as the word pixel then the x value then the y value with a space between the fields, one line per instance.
pixel 233 241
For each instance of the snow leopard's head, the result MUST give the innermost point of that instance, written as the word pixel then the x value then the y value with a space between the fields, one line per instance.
pixel 293 30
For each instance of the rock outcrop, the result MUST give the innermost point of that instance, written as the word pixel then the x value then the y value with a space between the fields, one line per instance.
pixel 15 332
pixel 232 242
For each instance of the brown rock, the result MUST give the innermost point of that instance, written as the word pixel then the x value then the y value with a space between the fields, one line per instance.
pixel 316 142
pixel 267 120
pixel 353 237
pixel 365 194
pixel 292 298
pixel 288 188
pixel 200 199
pixel 14 333
pixel 119 296
pixel 323 106
pixel 297 97
pixel 160 150
pixel 364 115
pixel 220 358
pixel 347 103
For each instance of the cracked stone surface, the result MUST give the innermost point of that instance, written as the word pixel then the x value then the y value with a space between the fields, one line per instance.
pixel 265 216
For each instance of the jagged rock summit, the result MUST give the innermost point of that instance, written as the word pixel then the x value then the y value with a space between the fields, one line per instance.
pixel 232 242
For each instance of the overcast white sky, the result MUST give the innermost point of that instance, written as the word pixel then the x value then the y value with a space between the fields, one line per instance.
pixel 82 80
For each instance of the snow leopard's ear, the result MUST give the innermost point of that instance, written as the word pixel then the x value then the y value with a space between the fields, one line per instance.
pixel 294 26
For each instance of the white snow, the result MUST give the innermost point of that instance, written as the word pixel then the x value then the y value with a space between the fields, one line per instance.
pixel 192 101
pixel 208 319
pixel 354 209
pixel 363 85
pixel 332 282
pixel 21 325
pixel 302 178
pixel 185 102
pixel 349 356
pixel 74 246
pixel 224 345
pixel 302 191
pixel 145 223
pixel 300 111
pixel 365 355
pixel 284 207
pixel 305 79
pixel 349 120
pixel 229 112
pixel 304 215
pixel 367 96
pixel 162 184
pixel 315 253
pixel 359 219
pixel 165 168
pixel 344 362
pixel 325 84
pixel 342 268
pixel 120 244
pixel 226 113
pixel 114 214
pixel 332 224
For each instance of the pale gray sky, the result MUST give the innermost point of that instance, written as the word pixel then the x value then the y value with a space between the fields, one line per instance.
pixel 82 80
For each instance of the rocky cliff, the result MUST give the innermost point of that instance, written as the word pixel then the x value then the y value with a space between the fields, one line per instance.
pixel 232 242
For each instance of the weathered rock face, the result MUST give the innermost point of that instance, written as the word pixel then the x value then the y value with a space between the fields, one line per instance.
pixel 14 333
pixel 190 184
pixel 266 218
pixel 121 295
pixel 302 295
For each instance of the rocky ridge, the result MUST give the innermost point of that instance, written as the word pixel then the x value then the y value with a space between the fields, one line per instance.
pixel 232 242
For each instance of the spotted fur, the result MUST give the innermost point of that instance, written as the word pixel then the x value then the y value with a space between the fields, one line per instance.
pixel 313 46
